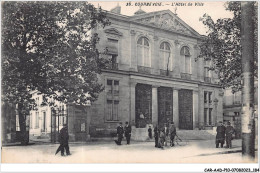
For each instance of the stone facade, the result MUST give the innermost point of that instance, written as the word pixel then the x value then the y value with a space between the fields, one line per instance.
pixel 153 77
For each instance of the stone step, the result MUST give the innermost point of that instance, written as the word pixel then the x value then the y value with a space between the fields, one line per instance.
pixel 141 134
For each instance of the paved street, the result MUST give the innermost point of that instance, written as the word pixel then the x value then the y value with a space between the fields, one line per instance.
pixel 138 152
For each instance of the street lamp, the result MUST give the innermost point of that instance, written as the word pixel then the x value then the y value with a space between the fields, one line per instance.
pixel 216 112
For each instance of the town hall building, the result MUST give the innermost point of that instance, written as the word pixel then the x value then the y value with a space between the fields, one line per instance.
pixel 154 76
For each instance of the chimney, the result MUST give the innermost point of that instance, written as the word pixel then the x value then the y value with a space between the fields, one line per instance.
pixel 116 10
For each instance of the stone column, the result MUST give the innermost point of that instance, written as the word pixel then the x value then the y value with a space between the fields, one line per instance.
pixel 175 106
pixel 155 104
pixel 220 106
pixel 132 102
pixel 155 56
pixel 201 108
pixel 195 98
pixel 133 58
pixel 176 60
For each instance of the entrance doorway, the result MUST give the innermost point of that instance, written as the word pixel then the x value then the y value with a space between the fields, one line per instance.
pixel 185 109
pixel 143 105
pixel 165 103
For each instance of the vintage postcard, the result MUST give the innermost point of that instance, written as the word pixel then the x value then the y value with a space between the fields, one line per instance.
pixel 130 82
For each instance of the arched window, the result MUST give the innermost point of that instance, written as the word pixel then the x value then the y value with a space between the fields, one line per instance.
pixel 143 52
pixel 185 53
pixel 165 56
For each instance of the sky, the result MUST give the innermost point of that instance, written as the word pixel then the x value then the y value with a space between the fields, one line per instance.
pixel 188 11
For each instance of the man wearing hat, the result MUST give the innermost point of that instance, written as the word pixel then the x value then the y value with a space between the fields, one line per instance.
pixel 172 133
pixel 229 132
pixel 120 132
pixel 128 130
pixel 220 137
pixel 64 141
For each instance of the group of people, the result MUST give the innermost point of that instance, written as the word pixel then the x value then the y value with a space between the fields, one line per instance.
pixel 224 133
pixel 162 135
pixel 121 131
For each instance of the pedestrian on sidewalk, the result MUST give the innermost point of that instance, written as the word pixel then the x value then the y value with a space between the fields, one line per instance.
pixel 120 133
pixel 166 133
pixel 162 138
pixel 220 137
pixel 172 134
pixel 64 141
pixel 229 132
pixel 150 132
pixel 156 135
pixel 127 130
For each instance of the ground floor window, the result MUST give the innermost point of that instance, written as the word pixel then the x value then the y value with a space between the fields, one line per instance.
pixel 112 110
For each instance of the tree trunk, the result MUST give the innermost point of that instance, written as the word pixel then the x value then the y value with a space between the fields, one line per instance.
pixel 247 112
pixel 24 134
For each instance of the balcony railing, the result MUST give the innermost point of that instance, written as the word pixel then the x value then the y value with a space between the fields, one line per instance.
pixel 207 79
pixel 165 73
pixel 112 66
pixel 237 102
pixel 186 76
pixel 145 70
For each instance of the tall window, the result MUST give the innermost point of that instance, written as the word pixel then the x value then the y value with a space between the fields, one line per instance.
pixel 143 52
pixel 112 102
pixel 112 53
pixel 31 121
pixel 207 72
pixel 185 52
pixel 165 56
pixel 37 120
pixel 205 116
pixel 210 116
pixel 205 97
pixel 210 97
pixel 44 121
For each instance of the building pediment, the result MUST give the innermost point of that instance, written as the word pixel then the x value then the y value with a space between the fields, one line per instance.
pixel 113 31
pixel 165 20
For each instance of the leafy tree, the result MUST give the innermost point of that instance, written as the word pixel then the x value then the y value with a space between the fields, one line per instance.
pixel 223 46
pixel 50 47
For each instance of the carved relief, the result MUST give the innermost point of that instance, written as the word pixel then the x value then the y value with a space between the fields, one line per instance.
pixel 155 38
pixel 166 22
pixel 113 31
pixel 132 32
pixel 176 42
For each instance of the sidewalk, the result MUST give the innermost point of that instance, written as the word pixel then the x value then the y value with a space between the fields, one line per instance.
pixel 136 152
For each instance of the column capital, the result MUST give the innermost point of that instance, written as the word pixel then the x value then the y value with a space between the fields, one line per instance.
pixel 155 86
pixel 132 82
pixel 176 88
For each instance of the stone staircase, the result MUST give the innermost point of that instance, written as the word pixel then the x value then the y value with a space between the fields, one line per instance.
pixel 141 134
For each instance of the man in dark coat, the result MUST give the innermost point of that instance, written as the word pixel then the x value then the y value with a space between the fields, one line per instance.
pixel 64 141
pixel 172 133
pixel 150 132
pixel 120 132
pixel 156 135
pixel 229 132
pixel 128 130
pixel 166 133
pixel 220 137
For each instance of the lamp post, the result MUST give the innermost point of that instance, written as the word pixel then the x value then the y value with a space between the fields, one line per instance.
pixel 216 111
